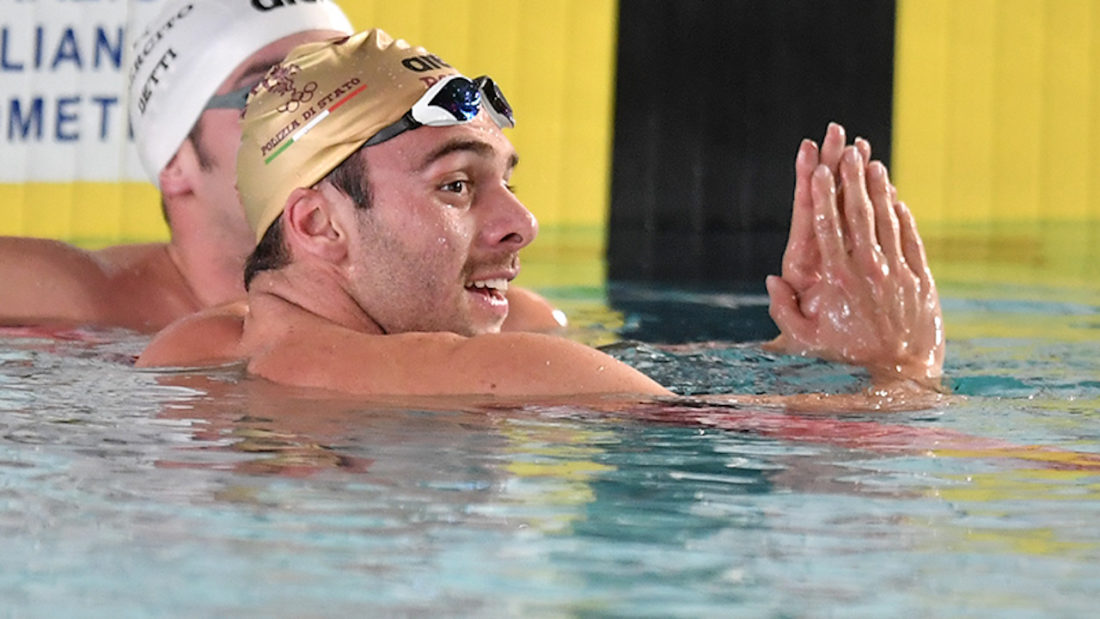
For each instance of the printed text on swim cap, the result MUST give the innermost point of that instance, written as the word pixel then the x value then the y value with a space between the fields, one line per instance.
pixel 147 48
pixel 267 5
pixel 320 109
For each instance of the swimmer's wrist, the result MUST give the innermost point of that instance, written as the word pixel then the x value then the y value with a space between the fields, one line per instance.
pixel 901 378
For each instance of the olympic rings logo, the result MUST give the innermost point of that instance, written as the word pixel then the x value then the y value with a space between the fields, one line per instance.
pixel 298 97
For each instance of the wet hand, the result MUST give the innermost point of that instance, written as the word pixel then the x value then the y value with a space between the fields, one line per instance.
pixel 871 299
pixel 801 258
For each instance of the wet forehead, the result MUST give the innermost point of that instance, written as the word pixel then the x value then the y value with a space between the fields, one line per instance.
pixel 418 149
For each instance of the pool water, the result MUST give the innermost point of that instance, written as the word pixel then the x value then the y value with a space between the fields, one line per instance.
pixel 135 493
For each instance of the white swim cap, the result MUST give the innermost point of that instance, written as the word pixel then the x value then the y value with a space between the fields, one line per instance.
pixel 180 58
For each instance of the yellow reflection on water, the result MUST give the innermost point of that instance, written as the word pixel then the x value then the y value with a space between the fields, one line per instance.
pixel 988 498
pixel 973 257
pixel 1002 267
pixel 553 464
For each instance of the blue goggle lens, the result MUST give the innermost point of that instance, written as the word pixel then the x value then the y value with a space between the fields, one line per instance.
pixel 460 97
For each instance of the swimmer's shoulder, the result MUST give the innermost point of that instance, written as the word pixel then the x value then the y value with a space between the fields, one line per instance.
pixel 444 364
pixel 147 291
pixel 209 337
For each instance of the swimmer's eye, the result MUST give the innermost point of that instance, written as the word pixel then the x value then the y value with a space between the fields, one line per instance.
pixel 455 186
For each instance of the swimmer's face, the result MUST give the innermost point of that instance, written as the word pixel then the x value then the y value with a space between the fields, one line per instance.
pixel 439 244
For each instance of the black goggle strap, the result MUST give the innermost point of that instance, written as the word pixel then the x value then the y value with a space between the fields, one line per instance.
pixel 402 125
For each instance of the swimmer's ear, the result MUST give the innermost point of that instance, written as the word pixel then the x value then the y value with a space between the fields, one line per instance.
pixel 172 179
pixel 311 224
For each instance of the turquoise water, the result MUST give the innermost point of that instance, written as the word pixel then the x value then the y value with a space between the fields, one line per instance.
pixel 127 493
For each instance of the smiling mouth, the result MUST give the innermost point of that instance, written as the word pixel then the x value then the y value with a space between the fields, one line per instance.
pixel 496 287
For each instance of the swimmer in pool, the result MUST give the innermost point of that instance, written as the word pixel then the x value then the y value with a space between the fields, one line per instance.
pixel 387 233
pixel 192 67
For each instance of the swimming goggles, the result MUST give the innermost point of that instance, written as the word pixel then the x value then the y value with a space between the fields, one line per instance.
pixel 453 100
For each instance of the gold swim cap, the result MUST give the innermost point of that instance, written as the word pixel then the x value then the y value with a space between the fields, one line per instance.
pixel 317 107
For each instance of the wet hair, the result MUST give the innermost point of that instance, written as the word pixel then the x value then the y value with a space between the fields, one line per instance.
pixel 272 253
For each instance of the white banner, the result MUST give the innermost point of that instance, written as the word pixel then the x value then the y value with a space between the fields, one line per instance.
pixel 63 89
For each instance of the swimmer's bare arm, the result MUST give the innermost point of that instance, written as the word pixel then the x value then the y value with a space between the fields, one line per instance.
pixel 444 364
pixel 46 281
pixel 211 336
pixel 43 281
pixel 523 365
pixel 856 286
pixel 506 364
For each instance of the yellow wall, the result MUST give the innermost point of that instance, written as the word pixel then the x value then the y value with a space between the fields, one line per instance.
pixel 997 139
pixel 997 110
pixel 554 60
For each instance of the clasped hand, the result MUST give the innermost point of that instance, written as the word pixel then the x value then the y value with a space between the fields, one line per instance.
pixel 855 284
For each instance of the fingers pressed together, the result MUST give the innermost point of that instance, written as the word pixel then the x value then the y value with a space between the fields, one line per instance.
pixel 855 284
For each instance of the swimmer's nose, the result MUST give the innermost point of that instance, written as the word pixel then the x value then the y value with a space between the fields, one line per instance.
pixel 509 224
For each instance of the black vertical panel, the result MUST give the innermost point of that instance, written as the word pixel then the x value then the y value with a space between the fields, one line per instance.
pixel 712 99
